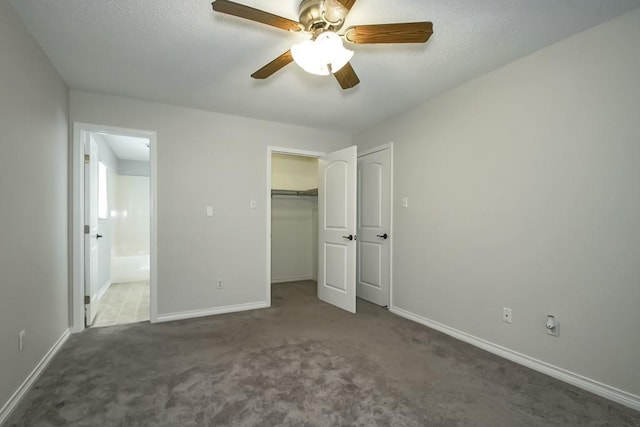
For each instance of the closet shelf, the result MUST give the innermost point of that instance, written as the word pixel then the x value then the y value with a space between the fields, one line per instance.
pixel 312 192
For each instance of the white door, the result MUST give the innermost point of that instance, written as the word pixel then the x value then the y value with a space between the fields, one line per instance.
pixel 374 211
pixel 336 228
pixel 91 226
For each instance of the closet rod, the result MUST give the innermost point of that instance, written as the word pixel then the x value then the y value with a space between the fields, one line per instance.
pixel 312 192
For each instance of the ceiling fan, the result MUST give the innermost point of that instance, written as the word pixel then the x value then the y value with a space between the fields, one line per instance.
pixel 325 53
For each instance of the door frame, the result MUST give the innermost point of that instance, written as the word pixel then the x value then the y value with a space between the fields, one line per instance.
pixel 387 146
pixel 270 151
pixel 80 132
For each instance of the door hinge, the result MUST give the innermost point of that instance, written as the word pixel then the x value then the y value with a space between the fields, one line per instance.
pixel 87 159
pixel 86 229
pixel 87 300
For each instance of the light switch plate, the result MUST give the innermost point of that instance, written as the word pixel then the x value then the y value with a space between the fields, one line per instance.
pixel 209 210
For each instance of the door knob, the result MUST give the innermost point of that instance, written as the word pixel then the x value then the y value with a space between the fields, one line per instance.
pixel 383 236
pixel 98 236
pixel 349 237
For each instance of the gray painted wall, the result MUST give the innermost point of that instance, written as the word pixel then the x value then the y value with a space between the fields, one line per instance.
pixel 33 190
pixel 206 158
pixel 524 192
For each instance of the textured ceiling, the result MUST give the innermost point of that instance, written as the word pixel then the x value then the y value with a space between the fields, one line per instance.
pixel 181 52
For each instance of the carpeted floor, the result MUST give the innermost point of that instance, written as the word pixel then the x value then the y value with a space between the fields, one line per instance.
pixel 299 363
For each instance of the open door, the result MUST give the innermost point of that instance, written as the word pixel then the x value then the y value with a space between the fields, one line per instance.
pixel 91 235
pixel 374 227
pixel 337 181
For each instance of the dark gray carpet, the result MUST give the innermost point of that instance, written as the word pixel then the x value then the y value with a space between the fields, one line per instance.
pixel 299 363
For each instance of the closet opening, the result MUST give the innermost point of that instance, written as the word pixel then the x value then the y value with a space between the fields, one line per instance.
pixel 329 225
pixel 294 222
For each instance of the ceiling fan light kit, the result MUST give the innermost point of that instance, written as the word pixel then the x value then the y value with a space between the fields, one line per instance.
pixel 324 53
pixel 323 56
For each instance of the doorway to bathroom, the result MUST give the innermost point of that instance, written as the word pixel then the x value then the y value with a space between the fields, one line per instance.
pixel 115 207
pixel 121 292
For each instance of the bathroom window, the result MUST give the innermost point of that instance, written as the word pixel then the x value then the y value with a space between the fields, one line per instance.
pixel 103 200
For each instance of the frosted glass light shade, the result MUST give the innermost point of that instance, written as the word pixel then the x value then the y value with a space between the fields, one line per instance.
pixel 323 56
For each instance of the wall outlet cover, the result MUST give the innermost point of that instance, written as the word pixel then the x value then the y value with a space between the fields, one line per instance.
pixel 506 315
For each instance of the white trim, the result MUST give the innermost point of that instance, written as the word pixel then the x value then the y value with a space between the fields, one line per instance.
pixel 26 385
pixel 270 151
pixel 80 130
pixel 391 233
pixel 595 387
pixel 368 151
pixel 153 236
pixel 292 279
pixel 77 232
pixel 98 296
pixel 191 314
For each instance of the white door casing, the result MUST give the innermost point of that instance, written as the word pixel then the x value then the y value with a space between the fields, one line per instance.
pixel 91 220
pixel 374 227
pixel 337 181
pixel 81 133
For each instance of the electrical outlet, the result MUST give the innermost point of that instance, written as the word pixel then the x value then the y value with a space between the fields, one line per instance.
pixel 506 315
pixel 21 336
pixel 553 326
pixel 219 284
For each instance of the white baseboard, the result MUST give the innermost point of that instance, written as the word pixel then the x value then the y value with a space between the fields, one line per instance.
pixel 595 387
pixel 170 317
pixel 292 279
pixel 13 401
pixel 98 296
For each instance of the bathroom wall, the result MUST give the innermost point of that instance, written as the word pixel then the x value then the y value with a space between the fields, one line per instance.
pixel 131 226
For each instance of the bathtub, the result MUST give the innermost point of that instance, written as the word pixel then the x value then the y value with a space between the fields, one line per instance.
pixel 135 268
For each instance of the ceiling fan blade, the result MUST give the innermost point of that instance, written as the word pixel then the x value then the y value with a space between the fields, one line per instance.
pixel 410 32
pixel 257 15
pixel 273 66
pixel 347 77
pixel 347 4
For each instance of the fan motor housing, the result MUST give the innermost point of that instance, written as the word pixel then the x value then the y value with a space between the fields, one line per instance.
pixel 320 15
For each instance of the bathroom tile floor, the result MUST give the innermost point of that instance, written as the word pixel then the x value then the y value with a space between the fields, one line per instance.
pixel 123 303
